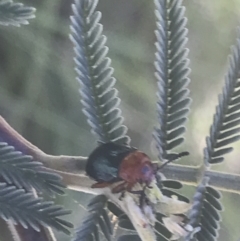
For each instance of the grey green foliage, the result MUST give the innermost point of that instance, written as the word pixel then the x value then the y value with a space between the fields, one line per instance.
pixel 99 97
pixel 172 78
pixel 172 75
pixel 223 132
pixel 15 13
pixel 22 171
pixel 101 106
pixel 205 212
pixel 25 209
pixel 96 220
pixel 225 128
pixel 172 72
pixel 18 203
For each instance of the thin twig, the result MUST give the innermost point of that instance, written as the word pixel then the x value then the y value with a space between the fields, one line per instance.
pixel 72 168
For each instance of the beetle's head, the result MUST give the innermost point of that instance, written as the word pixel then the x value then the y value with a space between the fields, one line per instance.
pixel 147 172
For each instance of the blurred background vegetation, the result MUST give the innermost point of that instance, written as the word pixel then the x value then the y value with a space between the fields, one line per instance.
pixel 39 94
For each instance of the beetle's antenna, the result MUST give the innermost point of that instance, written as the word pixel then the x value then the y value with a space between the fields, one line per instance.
pixel 173 158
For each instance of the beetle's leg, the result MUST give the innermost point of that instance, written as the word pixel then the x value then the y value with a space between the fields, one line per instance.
pixel 129 187
pixel 142 198
pixel 101 184
pixel 122 195
pixel 142 194
pixel 119 188
pixel 125 187
pixel 138 192
pixel 147 185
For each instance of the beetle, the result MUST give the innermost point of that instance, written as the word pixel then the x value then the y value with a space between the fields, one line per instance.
pixel 111 162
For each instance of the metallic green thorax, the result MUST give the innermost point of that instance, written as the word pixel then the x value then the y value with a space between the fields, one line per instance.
pixel 104 162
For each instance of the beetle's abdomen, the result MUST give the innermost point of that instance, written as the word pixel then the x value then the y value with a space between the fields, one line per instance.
pixel 103 163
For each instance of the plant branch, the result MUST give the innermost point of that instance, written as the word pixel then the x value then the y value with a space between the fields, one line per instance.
pixel 13 138
pixel 72 168
pixel 190 175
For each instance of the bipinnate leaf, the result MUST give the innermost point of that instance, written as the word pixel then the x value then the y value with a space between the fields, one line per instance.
pixel 96 221
pixel 25 209
pixel 226 121
pixel 24 172
pixel 172 72
pixel 99 97
pixel 15 14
